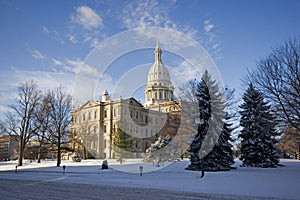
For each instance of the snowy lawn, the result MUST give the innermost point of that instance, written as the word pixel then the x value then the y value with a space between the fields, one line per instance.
pixel 281 182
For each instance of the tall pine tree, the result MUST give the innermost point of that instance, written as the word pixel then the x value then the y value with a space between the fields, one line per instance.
pixel 221 156
pixel 202 95
pixel 258 137
pixel 211 116
pixel 122 144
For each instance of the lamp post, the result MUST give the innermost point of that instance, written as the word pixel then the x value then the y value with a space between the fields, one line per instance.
pixel 141 170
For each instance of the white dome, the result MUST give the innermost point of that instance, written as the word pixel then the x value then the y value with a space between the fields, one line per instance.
pixel 159 88
pixel 158 73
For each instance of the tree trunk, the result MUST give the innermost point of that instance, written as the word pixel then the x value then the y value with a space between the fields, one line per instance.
pixel 58 151
pixel 202 167
pixel 39 154
pixel 21 152
pixel 84 153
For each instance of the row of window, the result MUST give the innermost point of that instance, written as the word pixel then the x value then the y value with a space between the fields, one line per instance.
pixel 134 129
pixel 94 115
pixel 93 144
pixel 159 95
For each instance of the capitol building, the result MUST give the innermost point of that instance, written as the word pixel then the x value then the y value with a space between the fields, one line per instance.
pixel 95 122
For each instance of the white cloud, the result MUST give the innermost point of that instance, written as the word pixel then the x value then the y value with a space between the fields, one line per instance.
pixel 46 80
pixel 73 39
pixel 37 54
pixel 54 35
pixel 45 29
pixel 74 66
pixel 94 42
pixel 188 70
pixel 208 26
pixel 57 36
pixel 150 13
pixel 216 46
pixel 82 87
pixel 153 13
pixel 143 14
pixel 87 18
pixel 57 62
pixel 85 27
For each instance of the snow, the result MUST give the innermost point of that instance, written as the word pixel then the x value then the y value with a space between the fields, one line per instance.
pixel 281 182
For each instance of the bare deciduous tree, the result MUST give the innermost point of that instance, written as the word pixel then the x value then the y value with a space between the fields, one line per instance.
pixel 20 120
pixel 278 77
pixel 42 122
pixel 60 118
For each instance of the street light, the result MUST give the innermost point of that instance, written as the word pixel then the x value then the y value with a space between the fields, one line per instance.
pixel 141 170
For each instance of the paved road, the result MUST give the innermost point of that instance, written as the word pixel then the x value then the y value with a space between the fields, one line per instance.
pixel 25 189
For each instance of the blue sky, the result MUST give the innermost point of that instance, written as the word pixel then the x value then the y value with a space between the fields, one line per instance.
pixel 49 40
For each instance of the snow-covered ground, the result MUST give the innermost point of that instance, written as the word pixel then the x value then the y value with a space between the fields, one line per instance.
pixel 281 182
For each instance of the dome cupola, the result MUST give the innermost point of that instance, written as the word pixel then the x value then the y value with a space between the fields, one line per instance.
pixel 159 88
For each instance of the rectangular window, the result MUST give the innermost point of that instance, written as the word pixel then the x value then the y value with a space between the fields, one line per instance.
pixel 115 112
pixel 104 128
pixel 83 117
pixel 105 113
pixel 95 115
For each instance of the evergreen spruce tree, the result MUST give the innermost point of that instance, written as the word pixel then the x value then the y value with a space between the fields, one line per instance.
pixel 259 133
pixel 211 115
pixel 203 98
pixel 221 156
pixel 122 144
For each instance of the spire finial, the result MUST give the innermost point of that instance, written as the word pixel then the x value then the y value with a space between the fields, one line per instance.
pixel 157 52
pixel 157 44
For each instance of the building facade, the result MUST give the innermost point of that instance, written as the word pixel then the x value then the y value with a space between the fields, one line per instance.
pixel 9 147
pixel 95 122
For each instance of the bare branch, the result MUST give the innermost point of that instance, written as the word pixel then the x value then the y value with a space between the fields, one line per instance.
pixel 278 77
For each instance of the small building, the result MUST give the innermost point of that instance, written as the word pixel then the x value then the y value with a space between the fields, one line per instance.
pixel 9 147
